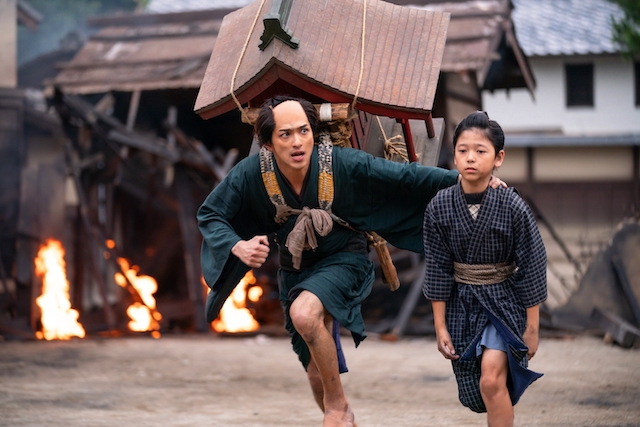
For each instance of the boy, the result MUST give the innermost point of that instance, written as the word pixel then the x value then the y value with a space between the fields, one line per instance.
pixel 485 276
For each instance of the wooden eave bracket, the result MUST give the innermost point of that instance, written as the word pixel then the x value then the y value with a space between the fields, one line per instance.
pixel 275 25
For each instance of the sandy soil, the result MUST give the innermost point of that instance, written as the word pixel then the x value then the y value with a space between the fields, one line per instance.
pixel 206 380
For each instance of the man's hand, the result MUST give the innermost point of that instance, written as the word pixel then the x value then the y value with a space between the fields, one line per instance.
pixel 496 182
pixel 252 252
pixel 445 346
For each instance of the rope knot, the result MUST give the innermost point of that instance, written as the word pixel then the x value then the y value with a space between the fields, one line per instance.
pixel 303 236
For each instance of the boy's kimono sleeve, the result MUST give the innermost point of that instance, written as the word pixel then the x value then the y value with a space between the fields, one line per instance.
pixel 530 278
pixel 438 280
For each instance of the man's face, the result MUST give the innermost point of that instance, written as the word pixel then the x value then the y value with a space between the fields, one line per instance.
pixel 292 139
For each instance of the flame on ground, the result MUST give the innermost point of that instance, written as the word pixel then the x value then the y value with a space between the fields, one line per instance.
pixel 141 316
pixel 59 320
pixel 234 316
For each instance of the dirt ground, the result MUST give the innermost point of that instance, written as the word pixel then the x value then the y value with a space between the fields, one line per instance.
pixel 207 380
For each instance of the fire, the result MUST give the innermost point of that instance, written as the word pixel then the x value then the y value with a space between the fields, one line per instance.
pixel 59 320
pixel 234 316
pixel 141 315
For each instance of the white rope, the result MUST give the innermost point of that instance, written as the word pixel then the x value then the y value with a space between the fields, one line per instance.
pixel 243 111
pixel 364 23
pixel 325 112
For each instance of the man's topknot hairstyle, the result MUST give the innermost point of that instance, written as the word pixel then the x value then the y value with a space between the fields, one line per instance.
pixel 265 124
pixel 480 121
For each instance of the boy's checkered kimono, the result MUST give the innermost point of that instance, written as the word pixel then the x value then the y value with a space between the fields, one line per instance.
pixel 504 231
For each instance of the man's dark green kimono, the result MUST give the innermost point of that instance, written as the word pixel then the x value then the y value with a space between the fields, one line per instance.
pixel 370 193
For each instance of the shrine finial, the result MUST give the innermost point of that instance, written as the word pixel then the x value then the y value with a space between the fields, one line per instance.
pixel 275 25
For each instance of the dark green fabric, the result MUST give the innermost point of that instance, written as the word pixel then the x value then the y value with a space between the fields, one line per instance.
pixel 371 194
pixel 341 281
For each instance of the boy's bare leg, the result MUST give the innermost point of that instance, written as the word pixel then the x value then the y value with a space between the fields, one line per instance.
pixel 493 387
pixel 308 316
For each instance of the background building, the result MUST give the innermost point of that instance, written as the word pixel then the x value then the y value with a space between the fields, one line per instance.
pixel 572 148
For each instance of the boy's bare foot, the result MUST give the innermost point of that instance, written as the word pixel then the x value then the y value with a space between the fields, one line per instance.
pixel 333 418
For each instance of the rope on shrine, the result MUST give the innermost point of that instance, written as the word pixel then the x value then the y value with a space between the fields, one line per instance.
pixel 394 145
pixel 364 22
pixel 243 111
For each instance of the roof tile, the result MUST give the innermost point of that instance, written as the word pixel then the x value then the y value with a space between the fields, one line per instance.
pixel 565 27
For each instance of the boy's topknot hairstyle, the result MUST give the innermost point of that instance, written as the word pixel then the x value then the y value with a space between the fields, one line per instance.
pixel 480 121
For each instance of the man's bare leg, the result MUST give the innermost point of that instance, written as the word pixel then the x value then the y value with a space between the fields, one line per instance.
pixel 316 384
pixel 308 316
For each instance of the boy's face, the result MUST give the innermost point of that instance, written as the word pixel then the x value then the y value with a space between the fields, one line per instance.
pixel 292 139
pixel 476 158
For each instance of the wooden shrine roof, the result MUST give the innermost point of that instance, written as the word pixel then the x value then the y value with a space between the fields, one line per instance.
pixel 403 54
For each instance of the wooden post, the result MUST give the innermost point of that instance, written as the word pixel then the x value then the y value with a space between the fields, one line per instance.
pixel 627 288
pixel 89 238
pixel 408 138
pixel 133 109
pixel 410 301
pixel 189 231
pixel 339 111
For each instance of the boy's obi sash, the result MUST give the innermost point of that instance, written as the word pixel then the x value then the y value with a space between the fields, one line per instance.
pixel 482 274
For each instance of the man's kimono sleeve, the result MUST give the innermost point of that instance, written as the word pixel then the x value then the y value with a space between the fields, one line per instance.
pixel 530 278
pixel 215 218
pixel 374 194
pixel 438 280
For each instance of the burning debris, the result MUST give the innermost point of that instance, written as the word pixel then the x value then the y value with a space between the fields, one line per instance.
pixel 144 316
pixel 234 315
pixel 59 320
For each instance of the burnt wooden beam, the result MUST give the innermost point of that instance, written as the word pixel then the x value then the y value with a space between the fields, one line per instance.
pixel 191 243
pixel 149 146
pixel 89 236
pixel 543 220
pixel 411 300
pixel 632 299
pixel 616 329
pixel 90 233
pixel 199 149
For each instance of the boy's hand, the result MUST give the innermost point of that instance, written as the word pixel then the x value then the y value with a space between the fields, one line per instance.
pixel 530 338
pixel 445 346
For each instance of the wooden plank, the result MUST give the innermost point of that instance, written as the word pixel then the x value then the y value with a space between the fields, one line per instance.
pixel 189 231
pixel 90 238
pixel 428 148
pixel 50 200
pixel 133 109
pixel 410 301
pixel 619 270
pixel 616 329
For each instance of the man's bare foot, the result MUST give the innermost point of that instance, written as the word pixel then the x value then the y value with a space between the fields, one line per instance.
pixel 333 418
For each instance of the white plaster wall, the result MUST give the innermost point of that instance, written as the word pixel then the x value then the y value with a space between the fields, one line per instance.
pixel 8 44
pixel 614 111
pixel 582 164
